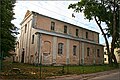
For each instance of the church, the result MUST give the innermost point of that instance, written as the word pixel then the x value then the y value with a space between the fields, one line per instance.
pixel 49 41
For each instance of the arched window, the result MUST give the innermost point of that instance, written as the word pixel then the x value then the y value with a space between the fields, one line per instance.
pixel 60 48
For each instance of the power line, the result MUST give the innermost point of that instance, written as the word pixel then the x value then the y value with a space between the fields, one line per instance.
pixel 61 15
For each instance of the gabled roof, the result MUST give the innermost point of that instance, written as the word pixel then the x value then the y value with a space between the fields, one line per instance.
pixel 27 13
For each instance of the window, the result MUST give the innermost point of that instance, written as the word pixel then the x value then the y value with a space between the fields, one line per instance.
pixel 88 51
pixel 65 29
pixel 25 28
pixel 105 48
pixel 52 26
pixel 76 32
pixel 60 48
pixel 105 53
pixel 74 50
pixel 32 39
pixel 98 53
pixel 86 35
pixel 104 59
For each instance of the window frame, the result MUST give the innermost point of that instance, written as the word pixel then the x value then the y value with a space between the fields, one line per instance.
pixel 77 31
pixel 52 25
pixel 105 52
pixel 74 50
pixel 98 52
pixel 105 59
pixel 88 51
pixel 33 37
pixel 86 35
pixel 25 28
pixel 60 48
pixel 65 29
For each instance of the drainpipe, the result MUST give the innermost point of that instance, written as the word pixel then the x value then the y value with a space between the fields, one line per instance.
pixel 39 47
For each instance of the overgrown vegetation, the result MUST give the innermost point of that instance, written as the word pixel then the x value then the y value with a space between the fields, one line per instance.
pixel 27 71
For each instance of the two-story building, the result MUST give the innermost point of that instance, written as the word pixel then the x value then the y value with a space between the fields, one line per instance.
pixel 116 53
pixel 51 41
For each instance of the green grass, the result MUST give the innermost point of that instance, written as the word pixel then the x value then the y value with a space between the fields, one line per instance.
pixel 28 71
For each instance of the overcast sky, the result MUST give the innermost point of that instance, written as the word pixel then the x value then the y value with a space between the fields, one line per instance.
pixel 55 9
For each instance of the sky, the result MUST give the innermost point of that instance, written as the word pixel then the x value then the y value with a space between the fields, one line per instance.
pixel 55 9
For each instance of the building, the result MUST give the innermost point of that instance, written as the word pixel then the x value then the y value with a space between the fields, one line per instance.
pixel 50 41
pixel 116 52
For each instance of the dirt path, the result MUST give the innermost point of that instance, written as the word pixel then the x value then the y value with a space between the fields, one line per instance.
pixel 82 76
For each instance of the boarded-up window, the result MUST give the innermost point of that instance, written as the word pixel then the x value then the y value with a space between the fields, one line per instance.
pixel 47 47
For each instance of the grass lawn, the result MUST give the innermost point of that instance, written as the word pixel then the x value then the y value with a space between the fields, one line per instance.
pixel 26 71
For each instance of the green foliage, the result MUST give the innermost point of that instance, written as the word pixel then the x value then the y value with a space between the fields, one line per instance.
pixel 103 10
pixel 7 30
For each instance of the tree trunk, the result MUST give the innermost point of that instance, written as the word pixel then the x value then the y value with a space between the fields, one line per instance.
pixel 106 41
pixel 114 36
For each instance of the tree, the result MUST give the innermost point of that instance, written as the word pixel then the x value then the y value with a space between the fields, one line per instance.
pixel 106 11
pixel 7 30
